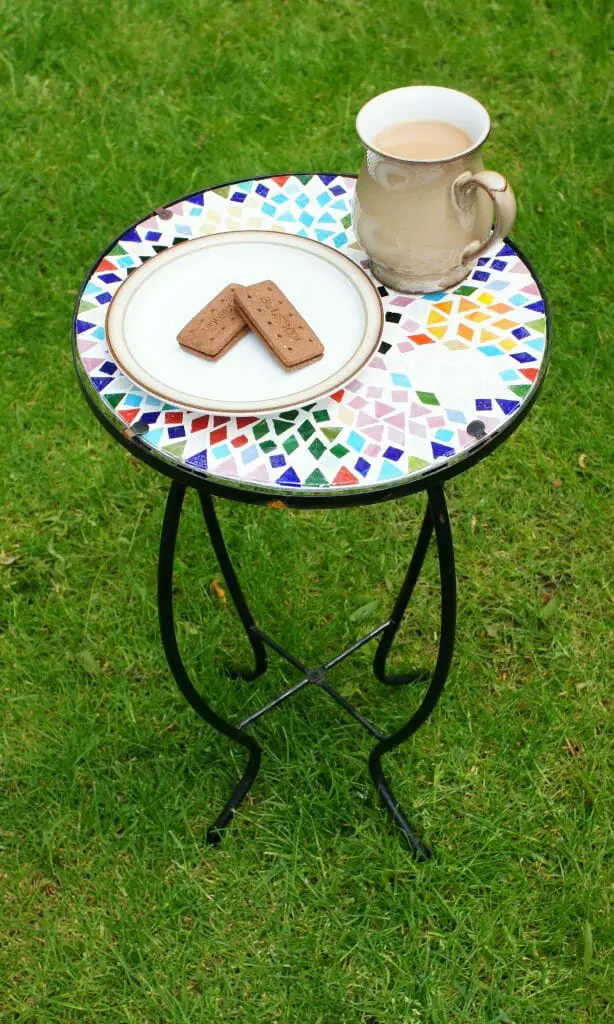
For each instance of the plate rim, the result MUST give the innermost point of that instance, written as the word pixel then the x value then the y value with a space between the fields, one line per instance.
pixel 292 400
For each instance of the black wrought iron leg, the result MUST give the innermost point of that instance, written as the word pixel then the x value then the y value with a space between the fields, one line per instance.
pixel 166 561
pixel 407 588
pixel 230 578
pixel 447 577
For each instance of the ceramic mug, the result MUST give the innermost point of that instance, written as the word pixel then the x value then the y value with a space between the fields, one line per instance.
pixel 423 223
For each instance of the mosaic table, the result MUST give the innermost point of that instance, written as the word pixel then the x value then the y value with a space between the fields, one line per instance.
pixel 454 375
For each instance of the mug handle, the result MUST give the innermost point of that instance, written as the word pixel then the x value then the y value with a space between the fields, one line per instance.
pixel 504 204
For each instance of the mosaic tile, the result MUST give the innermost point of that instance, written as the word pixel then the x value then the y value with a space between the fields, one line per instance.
pixel 451 368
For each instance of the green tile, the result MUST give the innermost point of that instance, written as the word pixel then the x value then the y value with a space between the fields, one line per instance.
pixel 339 451
pixel 291 414
pixel 224 192
pixel 414 463
pixel 321 416
pixel 347 220
pixel 260 429
pixel 268 446
pixel 316 479
pixel 317 449
pixel 331 432
pixel 427 397
pixel 290 444
pixel 114 400
pixel 175 449
pixel 520 389
pixel 279 426
pixel 465 290
pixel 306 429
pixel 537 325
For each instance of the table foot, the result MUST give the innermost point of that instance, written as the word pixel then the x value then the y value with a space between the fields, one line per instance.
pixel 419 849
pixel 168 541
pixel 214 833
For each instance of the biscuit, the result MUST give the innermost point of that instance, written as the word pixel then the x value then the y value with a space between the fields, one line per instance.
pixel 216 328
pixel 269 313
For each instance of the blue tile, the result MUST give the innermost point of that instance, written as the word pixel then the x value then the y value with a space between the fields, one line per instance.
pixel 498 264
pixel 440 450
pixel 238 197
pixel 131 236
pixel 393 453
pixel 109 278
pixel 261 189
pixel 175 432
pixel 520 333
pixel 290 478
pixel 103 298
pixel 507 405
pixel 249 454
pixel 362 466
pixel 221 451
pixel 523 357
pixel 153 236
pixel 277 460
pixel 356 441
pixel 199 461
pixel 483 404
pixel 133 400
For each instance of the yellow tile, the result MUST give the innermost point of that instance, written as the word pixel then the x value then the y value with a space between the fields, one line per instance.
pixel 486 298
pixel 445 307
pixel 438 332
pixel 508 345
pixel 504 325
pixel 478 317
pixel 435 318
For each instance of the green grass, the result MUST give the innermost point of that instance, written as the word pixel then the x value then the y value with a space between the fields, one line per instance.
pixel 113 909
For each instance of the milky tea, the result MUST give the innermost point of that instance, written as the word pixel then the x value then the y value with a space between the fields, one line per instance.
pixel 422 140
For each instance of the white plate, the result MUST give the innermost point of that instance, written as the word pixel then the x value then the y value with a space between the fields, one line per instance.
pixel 332 293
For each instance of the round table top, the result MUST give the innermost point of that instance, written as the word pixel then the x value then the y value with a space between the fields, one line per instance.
pixel 454 374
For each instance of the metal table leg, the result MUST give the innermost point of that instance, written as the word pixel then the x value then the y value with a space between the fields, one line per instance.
pixel 437 516
pixel 166 561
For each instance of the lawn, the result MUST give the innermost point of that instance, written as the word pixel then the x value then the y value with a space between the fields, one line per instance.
pixel 113 908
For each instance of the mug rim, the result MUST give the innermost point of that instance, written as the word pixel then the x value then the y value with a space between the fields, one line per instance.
pixel 432 160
